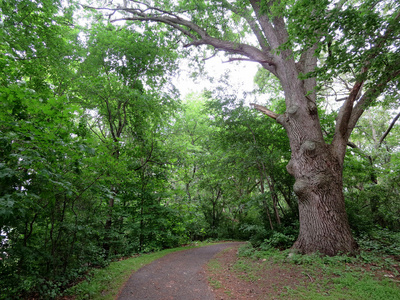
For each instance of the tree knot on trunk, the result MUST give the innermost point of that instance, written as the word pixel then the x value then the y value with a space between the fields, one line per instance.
pixel 290 167
pixel 301 187
pixel 291 110
pixel 323 180
pixel 308 147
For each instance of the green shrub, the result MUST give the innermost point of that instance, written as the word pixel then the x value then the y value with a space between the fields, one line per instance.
pixel 278 240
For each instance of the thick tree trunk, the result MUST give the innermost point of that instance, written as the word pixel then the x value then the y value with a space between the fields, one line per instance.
pixel 317 168
pixel 323 220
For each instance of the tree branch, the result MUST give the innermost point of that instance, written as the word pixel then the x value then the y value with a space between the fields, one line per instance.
pixel 231 59
pixel 346 111
pixel 265 111
pixel 388 130
pixel 200 36
pixel 269 30
pixel 367 98
pixel 253 25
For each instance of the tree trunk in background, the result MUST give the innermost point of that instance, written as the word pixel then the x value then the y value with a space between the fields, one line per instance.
pixel 274 197
pixel 107 228
pixel 265 204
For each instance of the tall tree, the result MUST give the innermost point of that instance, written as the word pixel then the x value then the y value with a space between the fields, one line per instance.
pixel 122 81
pixel 303 43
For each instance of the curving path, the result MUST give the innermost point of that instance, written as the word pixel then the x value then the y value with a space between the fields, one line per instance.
pixel 177 276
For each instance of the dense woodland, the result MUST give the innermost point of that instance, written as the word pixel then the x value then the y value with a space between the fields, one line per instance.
pixel 101 158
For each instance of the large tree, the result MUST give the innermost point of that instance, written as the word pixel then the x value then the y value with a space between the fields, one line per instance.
pixel 305 44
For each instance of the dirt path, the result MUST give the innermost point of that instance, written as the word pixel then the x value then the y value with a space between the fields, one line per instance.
pixel 177 276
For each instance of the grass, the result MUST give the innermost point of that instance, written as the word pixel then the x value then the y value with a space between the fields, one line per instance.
pixel 370 275
pixel 214 265
pixel 216 284
pixel 105 283
pixel 332 283
pixel 247 272
pixel 349 286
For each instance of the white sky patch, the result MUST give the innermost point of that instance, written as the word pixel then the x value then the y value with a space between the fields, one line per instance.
pixel 241 76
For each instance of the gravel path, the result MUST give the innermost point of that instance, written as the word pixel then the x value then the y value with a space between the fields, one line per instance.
pixel 177 276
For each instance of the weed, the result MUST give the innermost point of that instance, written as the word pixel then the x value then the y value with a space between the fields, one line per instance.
pixel 229 293
pixel 213 265
pixel 216 284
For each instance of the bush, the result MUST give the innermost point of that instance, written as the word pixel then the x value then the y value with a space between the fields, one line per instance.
pixel 282 237
pixel 278 240
pixel 255 233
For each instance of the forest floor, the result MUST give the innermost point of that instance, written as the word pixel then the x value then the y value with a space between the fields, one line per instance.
pixel 242 278
pixel 252 282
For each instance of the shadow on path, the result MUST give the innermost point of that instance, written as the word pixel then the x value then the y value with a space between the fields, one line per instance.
pixel 177 276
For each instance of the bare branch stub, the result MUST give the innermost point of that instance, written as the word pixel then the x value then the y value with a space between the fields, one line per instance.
pixel 231 59
pixel 265 110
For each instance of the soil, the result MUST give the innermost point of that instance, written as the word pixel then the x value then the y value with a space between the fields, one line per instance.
pixel 178 276
pixel 268 283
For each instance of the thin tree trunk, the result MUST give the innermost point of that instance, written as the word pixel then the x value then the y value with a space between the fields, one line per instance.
pixel 265 205
pixel 274 197
pixel 141 236
pixel 107 228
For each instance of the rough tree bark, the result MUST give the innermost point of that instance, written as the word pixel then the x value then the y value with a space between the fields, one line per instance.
pixel 316 165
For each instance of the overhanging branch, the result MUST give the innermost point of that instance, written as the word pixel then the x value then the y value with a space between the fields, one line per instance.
pixel 198 35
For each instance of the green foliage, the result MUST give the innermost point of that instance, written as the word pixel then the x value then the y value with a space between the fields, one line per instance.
pixel 380 240
pixel 254 233
pixel 282 238
pixel 41 188
pixel 278 240
pixel 347 34
pixel 370 175
pixel 58 172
